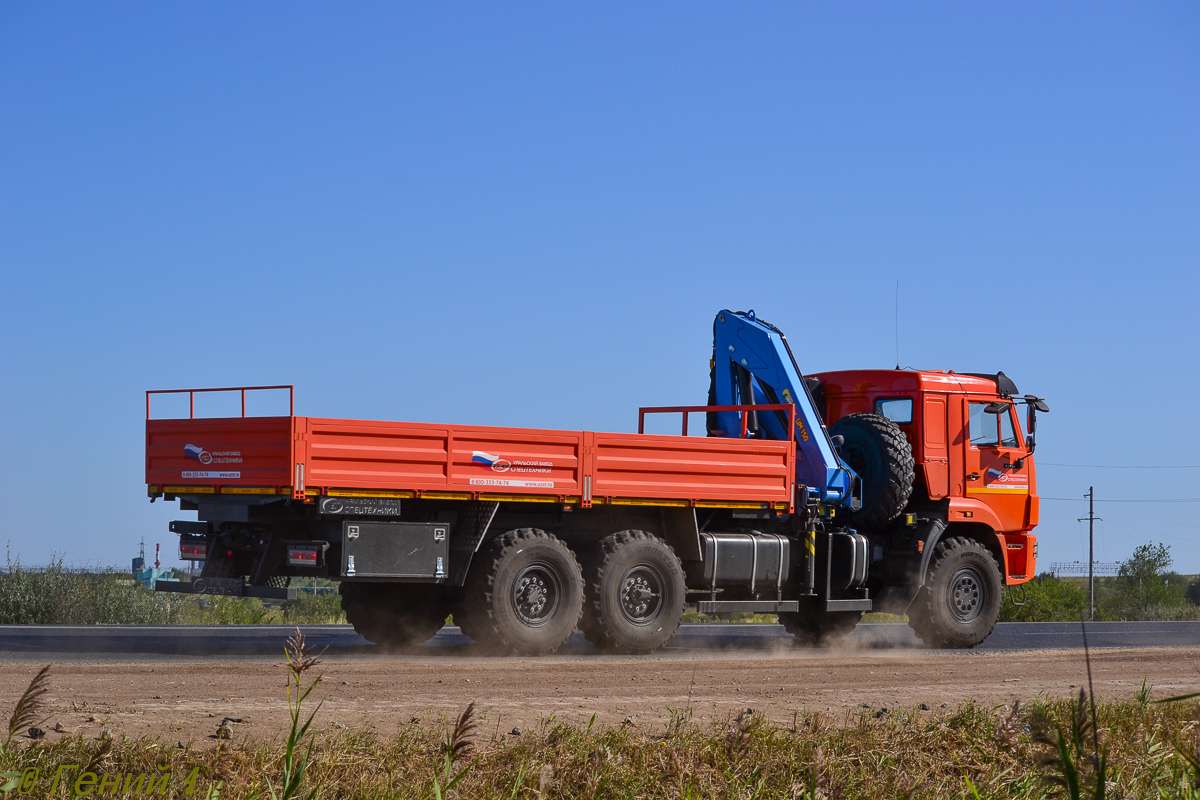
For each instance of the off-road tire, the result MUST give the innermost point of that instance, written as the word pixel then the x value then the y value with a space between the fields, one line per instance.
pixel 960 602
pixel 815 627
pixel 876 449
pixel 524 595
pixel 636 593
pixel 471 617
pixel 392 615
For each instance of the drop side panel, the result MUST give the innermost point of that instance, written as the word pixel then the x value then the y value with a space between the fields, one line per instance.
pixel 237 451
pixel 643 465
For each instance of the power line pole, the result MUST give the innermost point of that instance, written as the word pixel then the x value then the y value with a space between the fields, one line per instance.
pixel 1091 521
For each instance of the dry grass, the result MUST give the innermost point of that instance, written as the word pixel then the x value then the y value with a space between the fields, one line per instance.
pixel 902 753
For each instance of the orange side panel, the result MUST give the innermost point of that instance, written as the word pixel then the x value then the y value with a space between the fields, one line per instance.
pixel 238 451
pixel 639 465
pixel 403 455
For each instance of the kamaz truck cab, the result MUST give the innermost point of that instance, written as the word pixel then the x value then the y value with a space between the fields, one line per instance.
pixel 929 472
pixel 973 489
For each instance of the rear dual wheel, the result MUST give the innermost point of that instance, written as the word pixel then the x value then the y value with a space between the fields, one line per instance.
pixel 636 593
pixel 524 595
pixel 394 615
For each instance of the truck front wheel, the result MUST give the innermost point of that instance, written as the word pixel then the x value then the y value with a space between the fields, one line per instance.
pixel 526 595
pixel 636 593
pixel 960 602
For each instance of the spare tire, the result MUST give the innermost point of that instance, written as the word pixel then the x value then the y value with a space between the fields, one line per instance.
pixel 876 449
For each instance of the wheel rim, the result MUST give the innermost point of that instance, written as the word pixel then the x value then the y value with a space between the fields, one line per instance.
pixel 966 594
pixel 536 594
pixel 641 594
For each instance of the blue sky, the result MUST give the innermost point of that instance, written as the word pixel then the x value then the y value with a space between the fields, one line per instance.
pixel 528 214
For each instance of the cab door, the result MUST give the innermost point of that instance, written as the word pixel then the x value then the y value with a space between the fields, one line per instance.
pixel 996 471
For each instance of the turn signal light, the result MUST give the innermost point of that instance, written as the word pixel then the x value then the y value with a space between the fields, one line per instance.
pixel 193 551
pixel 303 556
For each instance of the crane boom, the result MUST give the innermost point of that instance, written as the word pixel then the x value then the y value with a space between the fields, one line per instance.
pixel 753 365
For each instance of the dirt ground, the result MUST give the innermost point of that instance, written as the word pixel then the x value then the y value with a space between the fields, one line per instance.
pixel 187 701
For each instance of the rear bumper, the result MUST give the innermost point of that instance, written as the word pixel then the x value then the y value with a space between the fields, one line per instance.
pixel 226 587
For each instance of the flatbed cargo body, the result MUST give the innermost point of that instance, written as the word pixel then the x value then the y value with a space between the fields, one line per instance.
pixel 307 457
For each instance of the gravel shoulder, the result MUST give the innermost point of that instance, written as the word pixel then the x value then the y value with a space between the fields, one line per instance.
pixel 187 701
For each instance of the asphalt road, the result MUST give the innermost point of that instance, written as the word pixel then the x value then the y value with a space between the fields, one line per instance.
pixel 217 642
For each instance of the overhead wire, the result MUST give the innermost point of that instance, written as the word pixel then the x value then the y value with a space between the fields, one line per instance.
pixel 1118 466
pixel 1105 500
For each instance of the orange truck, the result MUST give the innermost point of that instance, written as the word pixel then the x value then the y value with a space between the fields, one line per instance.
pixel 815 498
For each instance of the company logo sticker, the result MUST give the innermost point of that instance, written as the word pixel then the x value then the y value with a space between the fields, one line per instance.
pixel 497 463
pixel 197 452
pixel 216 457
pixel 996 480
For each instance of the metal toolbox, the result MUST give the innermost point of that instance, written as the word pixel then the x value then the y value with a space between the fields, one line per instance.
pixel 760 560
pixel 395 549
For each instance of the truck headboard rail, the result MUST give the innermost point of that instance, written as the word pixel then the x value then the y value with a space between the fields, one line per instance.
pixel 191 393
pixel 790 408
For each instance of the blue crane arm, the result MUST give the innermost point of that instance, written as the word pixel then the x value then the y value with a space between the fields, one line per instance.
pixel 753 365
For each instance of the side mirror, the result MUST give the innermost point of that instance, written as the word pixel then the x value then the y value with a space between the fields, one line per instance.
pixel 1037 403
pixel 995 408
pixel 838 441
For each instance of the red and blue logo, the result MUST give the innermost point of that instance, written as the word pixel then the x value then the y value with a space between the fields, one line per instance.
pixel 483 459
pixel 197 452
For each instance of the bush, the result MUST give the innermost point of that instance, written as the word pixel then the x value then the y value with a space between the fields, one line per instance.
pixel 1144 590
pixel 57 596
pixel 1193 592
pixel 1047 599
pixel 313 609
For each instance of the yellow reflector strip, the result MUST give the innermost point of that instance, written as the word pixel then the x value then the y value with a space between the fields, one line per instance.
pixel 247 490
pixel 368 493
pixel 448 495
pixel 521 498
pixel 624 501
pixel 730 504
pixel 190 489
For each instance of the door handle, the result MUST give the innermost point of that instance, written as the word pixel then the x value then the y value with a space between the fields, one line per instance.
pixel 974 476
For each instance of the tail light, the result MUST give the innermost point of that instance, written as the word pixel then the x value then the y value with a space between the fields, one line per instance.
pixel 193 548
pixel 306 554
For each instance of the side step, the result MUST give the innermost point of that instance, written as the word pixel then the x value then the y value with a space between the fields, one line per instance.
pixel 863 604
pixel 754 606
pixel 226 587
pixel 776 606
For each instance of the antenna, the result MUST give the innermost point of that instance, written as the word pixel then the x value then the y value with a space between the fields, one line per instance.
pixel 897 323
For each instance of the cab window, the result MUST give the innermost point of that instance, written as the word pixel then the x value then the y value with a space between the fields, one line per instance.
pixel 1008 435
pixel 985 429
pixel 898 409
